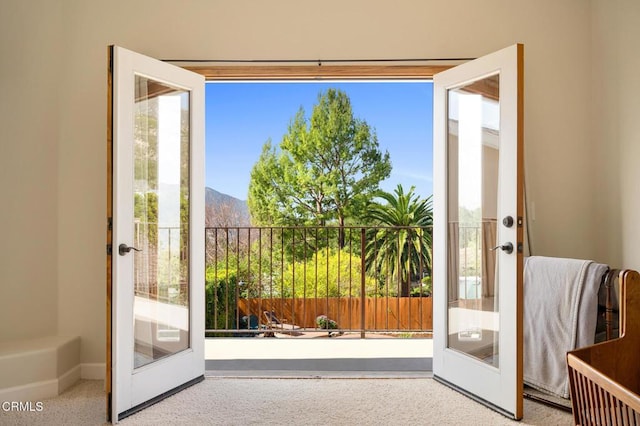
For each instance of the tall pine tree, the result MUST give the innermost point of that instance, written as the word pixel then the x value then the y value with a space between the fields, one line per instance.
pixel 323 172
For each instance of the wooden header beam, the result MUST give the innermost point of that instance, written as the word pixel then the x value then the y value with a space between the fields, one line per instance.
pixel 319 72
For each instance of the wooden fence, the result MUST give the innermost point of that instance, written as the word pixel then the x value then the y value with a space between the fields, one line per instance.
pixel 380 313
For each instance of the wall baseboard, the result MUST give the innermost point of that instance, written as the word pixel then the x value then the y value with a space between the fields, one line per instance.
pixel 39 368
pixel 93 371
pixel 37 391
pixel 31 391
pixel 68 379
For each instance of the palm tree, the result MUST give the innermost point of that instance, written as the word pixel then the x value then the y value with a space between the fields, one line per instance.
pixel 401 247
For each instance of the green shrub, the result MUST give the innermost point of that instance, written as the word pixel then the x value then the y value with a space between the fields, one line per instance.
pixel 221 303
pixel 425 289
pixel 328 273
pixel 325 323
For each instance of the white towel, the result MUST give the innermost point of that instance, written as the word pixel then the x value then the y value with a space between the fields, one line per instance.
pixel 560 314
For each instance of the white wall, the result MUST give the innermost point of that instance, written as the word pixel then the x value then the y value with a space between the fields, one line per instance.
pixel 63 188
pixel 30 52
pixel 615 117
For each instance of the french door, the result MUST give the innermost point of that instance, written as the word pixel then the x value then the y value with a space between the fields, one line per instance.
pixel 157 254
pixel 478 229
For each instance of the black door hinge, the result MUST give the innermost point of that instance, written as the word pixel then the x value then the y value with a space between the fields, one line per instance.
pixel 109 223
pixel 109 249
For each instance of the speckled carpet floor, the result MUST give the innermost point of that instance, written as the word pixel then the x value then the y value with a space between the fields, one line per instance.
pixel 302 401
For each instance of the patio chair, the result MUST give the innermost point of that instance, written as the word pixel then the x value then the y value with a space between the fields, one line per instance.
pixel 285 330
pixel 274 322
pixel 249 322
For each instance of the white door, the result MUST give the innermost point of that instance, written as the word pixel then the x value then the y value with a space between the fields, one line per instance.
pixel 157 315
pixel 478 229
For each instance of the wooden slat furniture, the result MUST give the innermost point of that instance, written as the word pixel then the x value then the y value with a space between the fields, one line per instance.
pixel 605 378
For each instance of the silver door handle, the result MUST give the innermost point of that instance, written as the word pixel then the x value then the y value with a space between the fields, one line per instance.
pixel 506 247
pixel 124 249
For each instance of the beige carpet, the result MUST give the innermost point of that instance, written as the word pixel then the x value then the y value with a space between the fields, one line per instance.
pixel 311 401
pixel 82 404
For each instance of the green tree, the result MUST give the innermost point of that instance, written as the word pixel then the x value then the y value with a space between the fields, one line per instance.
pixel 324 170
pixel 401 248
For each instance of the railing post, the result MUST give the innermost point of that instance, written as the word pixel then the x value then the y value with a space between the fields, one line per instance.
pixel 362 283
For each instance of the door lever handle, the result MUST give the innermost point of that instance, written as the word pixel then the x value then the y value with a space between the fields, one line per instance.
pixel 124 249
pixel 506 247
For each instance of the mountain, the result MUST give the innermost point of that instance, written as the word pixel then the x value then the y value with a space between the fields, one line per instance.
pixel 225 210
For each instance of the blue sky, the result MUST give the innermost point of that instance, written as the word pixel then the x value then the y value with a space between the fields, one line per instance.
pixel 242 116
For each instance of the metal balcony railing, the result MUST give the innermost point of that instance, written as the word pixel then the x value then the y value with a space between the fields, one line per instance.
pixel 300 280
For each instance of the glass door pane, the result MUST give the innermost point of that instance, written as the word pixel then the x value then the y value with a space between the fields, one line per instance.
pixel 473 150
pixel 161 220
